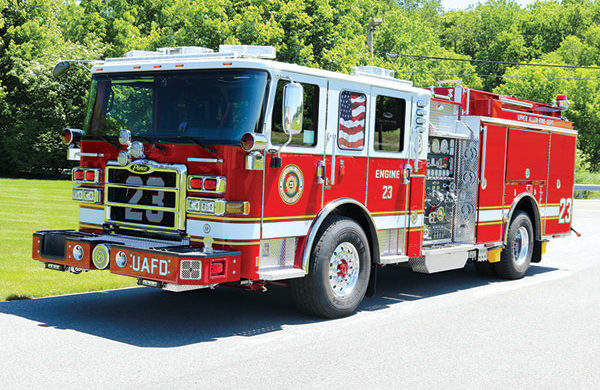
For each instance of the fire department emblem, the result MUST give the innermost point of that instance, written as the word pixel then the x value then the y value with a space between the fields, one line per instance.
pixel 291 184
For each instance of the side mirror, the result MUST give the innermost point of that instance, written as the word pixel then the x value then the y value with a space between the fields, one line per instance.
pixel 293 108
pixel 61 68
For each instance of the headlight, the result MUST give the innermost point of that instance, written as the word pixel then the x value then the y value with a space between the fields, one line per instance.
pixel 136 149
pixel 88 195
pixel 207 206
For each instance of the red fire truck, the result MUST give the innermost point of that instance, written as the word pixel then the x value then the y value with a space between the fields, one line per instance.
pixel 201 168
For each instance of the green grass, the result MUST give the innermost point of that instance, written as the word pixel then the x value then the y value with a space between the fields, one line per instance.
pixel 30 205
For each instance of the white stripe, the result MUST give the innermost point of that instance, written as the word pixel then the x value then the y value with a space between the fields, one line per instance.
pixel 352 137
pixel 490 215
pixel 93 216
pixel 351 124
pixel 224 230
pixel 358 110
pixel 390 222
pixel 359 99
pixel 286 229
pixel 551 211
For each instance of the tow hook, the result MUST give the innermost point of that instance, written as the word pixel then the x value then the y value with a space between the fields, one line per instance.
pixel 576 232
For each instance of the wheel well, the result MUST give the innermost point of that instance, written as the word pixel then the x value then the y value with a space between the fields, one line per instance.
pixel 357 214
pixel 529 206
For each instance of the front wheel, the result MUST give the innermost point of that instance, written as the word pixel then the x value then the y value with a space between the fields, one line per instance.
pixel 339 271
pixel 516 257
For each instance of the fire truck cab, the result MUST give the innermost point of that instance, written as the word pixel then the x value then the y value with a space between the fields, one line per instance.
pixel 201 168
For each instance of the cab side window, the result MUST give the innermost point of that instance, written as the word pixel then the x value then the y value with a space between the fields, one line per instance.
pixel 351 120
pixel 310 120
pixel 389 124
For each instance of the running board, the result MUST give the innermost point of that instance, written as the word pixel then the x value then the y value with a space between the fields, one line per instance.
pixel 280 273
pixel 394 259
pixel 441 259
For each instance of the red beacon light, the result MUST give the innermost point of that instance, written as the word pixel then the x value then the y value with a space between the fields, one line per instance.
pixel 72 136
pixel 561 102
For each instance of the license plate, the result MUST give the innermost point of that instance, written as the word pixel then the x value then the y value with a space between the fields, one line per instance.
pixel 207 206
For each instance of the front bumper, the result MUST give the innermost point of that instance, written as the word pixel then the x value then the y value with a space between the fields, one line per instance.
pixel 167 262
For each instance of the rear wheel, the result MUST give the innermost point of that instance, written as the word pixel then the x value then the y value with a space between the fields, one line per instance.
pixel 338 273
pixel 516 256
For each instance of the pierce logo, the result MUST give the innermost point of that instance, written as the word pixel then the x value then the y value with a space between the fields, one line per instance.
pixel 139 168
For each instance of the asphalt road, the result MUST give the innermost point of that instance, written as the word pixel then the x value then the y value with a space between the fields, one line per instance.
pixel 449 330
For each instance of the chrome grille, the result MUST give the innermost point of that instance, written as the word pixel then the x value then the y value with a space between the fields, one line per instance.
pixel 145 194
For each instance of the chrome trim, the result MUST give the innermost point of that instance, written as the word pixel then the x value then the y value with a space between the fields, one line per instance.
pixel 537 223
pixel 180 194
pixel 516 102
pixel 219 206
pixel 87 154
pixel 97 194
pixel 255 161
pixel 314 227
pixel 97 172
pixel 205 160
pixel 221 186
pixel 259 142
pixel 483 159
pixel 334 146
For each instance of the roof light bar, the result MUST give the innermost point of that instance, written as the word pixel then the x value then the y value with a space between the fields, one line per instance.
pixel 248 51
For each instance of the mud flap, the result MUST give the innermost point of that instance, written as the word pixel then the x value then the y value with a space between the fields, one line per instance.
pixel 372 281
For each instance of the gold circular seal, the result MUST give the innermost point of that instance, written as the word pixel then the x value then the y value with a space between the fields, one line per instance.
pixel 291 184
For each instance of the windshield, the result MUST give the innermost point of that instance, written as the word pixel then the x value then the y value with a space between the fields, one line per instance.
pixel 211 106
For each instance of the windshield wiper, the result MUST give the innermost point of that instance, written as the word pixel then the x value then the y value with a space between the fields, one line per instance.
pixel 208 148
pixel 151 142
pixel 107 139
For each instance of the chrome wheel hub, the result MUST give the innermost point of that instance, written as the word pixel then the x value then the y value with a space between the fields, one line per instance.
pixel 521 245
pixel 344 267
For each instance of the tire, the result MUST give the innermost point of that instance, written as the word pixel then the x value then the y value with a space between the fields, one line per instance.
pixel 516 256
pixel 334 287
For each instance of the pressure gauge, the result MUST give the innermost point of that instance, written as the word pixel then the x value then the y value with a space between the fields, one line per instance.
pixel 435 145
pixel 444 146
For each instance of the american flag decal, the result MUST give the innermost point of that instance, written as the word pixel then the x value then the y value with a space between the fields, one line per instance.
pixel 352 120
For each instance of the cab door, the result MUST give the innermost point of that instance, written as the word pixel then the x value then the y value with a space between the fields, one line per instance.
pixel 346 141
pixel 390 148
pixel 293 191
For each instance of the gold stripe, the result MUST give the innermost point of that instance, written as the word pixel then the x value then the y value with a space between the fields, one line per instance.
pixel 233 243
pixel 551 204
pixel 247 219
pixel 489 223
pixel 417 229
pixel 550 218
pixel 399 212
pixel 290 217
pixel 90 226
pixel 489 207
pixel 213 218
pixel 92 206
